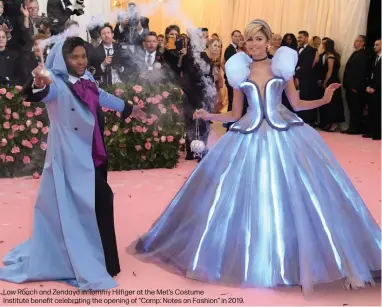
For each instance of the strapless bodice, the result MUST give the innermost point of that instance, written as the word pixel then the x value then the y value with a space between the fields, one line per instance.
pixel 270 108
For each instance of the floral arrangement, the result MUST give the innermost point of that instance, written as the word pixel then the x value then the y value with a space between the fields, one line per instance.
pixel 23 134
pixel 154 143
pixel 131 144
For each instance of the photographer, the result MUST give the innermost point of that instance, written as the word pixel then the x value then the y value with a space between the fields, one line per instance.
pixel 30 21
pixel 107 58
pixel 59 12
pixel 175 48
pixel 131 29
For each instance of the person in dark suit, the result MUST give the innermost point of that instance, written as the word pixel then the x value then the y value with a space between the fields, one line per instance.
pixel 106 58
pixel 8 62
pixel 13 13
pixel 149 64
pixel 305 78
pixel 29 60
pixel 354 83
pixel 60 11
pixel 131 29
pixel 373 90
pixel 231 50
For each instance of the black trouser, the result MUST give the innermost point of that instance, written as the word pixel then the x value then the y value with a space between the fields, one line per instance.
pixel 104 199
pixel 355 105
pixel 374 117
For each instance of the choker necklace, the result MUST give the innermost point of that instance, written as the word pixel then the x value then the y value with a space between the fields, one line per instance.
pixel 259 60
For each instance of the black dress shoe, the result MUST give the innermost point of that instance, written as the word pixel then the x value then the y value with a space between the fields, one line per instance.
pixel 367 136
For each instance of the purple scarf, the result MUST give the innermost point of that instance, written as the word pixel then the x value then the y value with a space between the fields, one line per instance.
pixel 88 92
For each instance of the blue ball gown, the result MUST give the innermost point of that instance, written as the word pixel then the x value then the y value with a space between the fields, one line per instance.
pixel 269 205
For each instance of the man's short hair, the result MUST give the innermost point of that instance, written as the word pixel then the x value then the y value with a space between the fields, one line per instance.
pixel 304 33
pixel 152 33
pixel 106 25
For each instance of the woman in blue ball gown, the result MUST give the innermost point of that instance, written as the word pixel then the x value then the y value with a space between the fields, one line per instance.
pixel 269 205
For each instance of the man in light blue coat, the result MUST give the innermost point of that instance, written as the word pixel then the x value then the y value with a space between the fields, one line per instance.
pixel 73 237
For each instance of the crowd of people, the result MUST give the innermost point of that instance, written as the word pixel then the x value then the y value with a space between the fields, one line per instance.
pixel 129 51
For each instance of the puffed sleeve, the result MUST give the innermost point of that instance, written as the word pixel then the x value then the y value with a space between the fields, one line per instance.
pixel 237 69
pixel 284 63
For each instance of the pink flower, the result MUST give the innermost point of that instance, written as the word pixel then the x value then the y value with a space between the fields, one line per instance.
pixel 30 114
pixel 141 104
pixel 145 129
pixel 9 159
pixel 118 114
pixel 160 128
pixel 2 91
pixel 148 99
pixel 43 146
pixel 130 102
pixel 136 99
pixel 15 115
pixel 2 157
pixel 7 117
pixel 28 123
pixel 143 158
pixel 175 109
pixel 34 130
pixel 127 120
pixel 160 106
pixel 163 138
pixel 170 138
pixel 182 141
pixel 126 131
pixel 26 104
pixel 9 95
pixel 36 175
pixel 34 140
pixel 163 111
pixel 11 136
pixel 4 141
pixel 6 125
pixel 138 147
pixel 26 160
pixel 105 109
pixel 45 130
pixel 148 146
pixel 15 150
pixel 7 111
pixel 181 92
pixel 158 97
pixel 38 111
pixel 137 88
pixel 165 94
pixel 149 122
pixel 118 92
pixel 154 117
pixel 139 129
pixel 21 127
pixel 18 88
pixel 39 124
pixel 155 133
pixel 107 133
pixel 156 139
pixel 26 143
pixel 114 128
pixel 15 127
pixel 154 101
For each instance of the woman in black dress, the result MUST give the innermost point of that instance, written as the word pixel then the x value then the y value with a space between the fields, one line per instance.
pixel 332 114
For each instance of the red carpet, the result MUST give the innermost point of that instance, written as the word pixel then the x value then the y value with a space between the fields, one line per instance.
pixel 141 196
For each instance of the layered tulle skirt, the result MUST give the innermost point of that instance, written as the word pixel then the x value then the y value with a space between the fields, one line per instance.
pixel 264 209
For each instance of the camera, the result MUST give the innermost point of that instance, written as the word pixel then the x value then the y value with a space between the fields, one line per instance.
pixel 5 21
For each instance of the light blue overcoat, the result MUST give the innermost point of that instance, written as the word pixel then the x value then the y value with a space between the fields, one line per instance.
pixel 65 243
